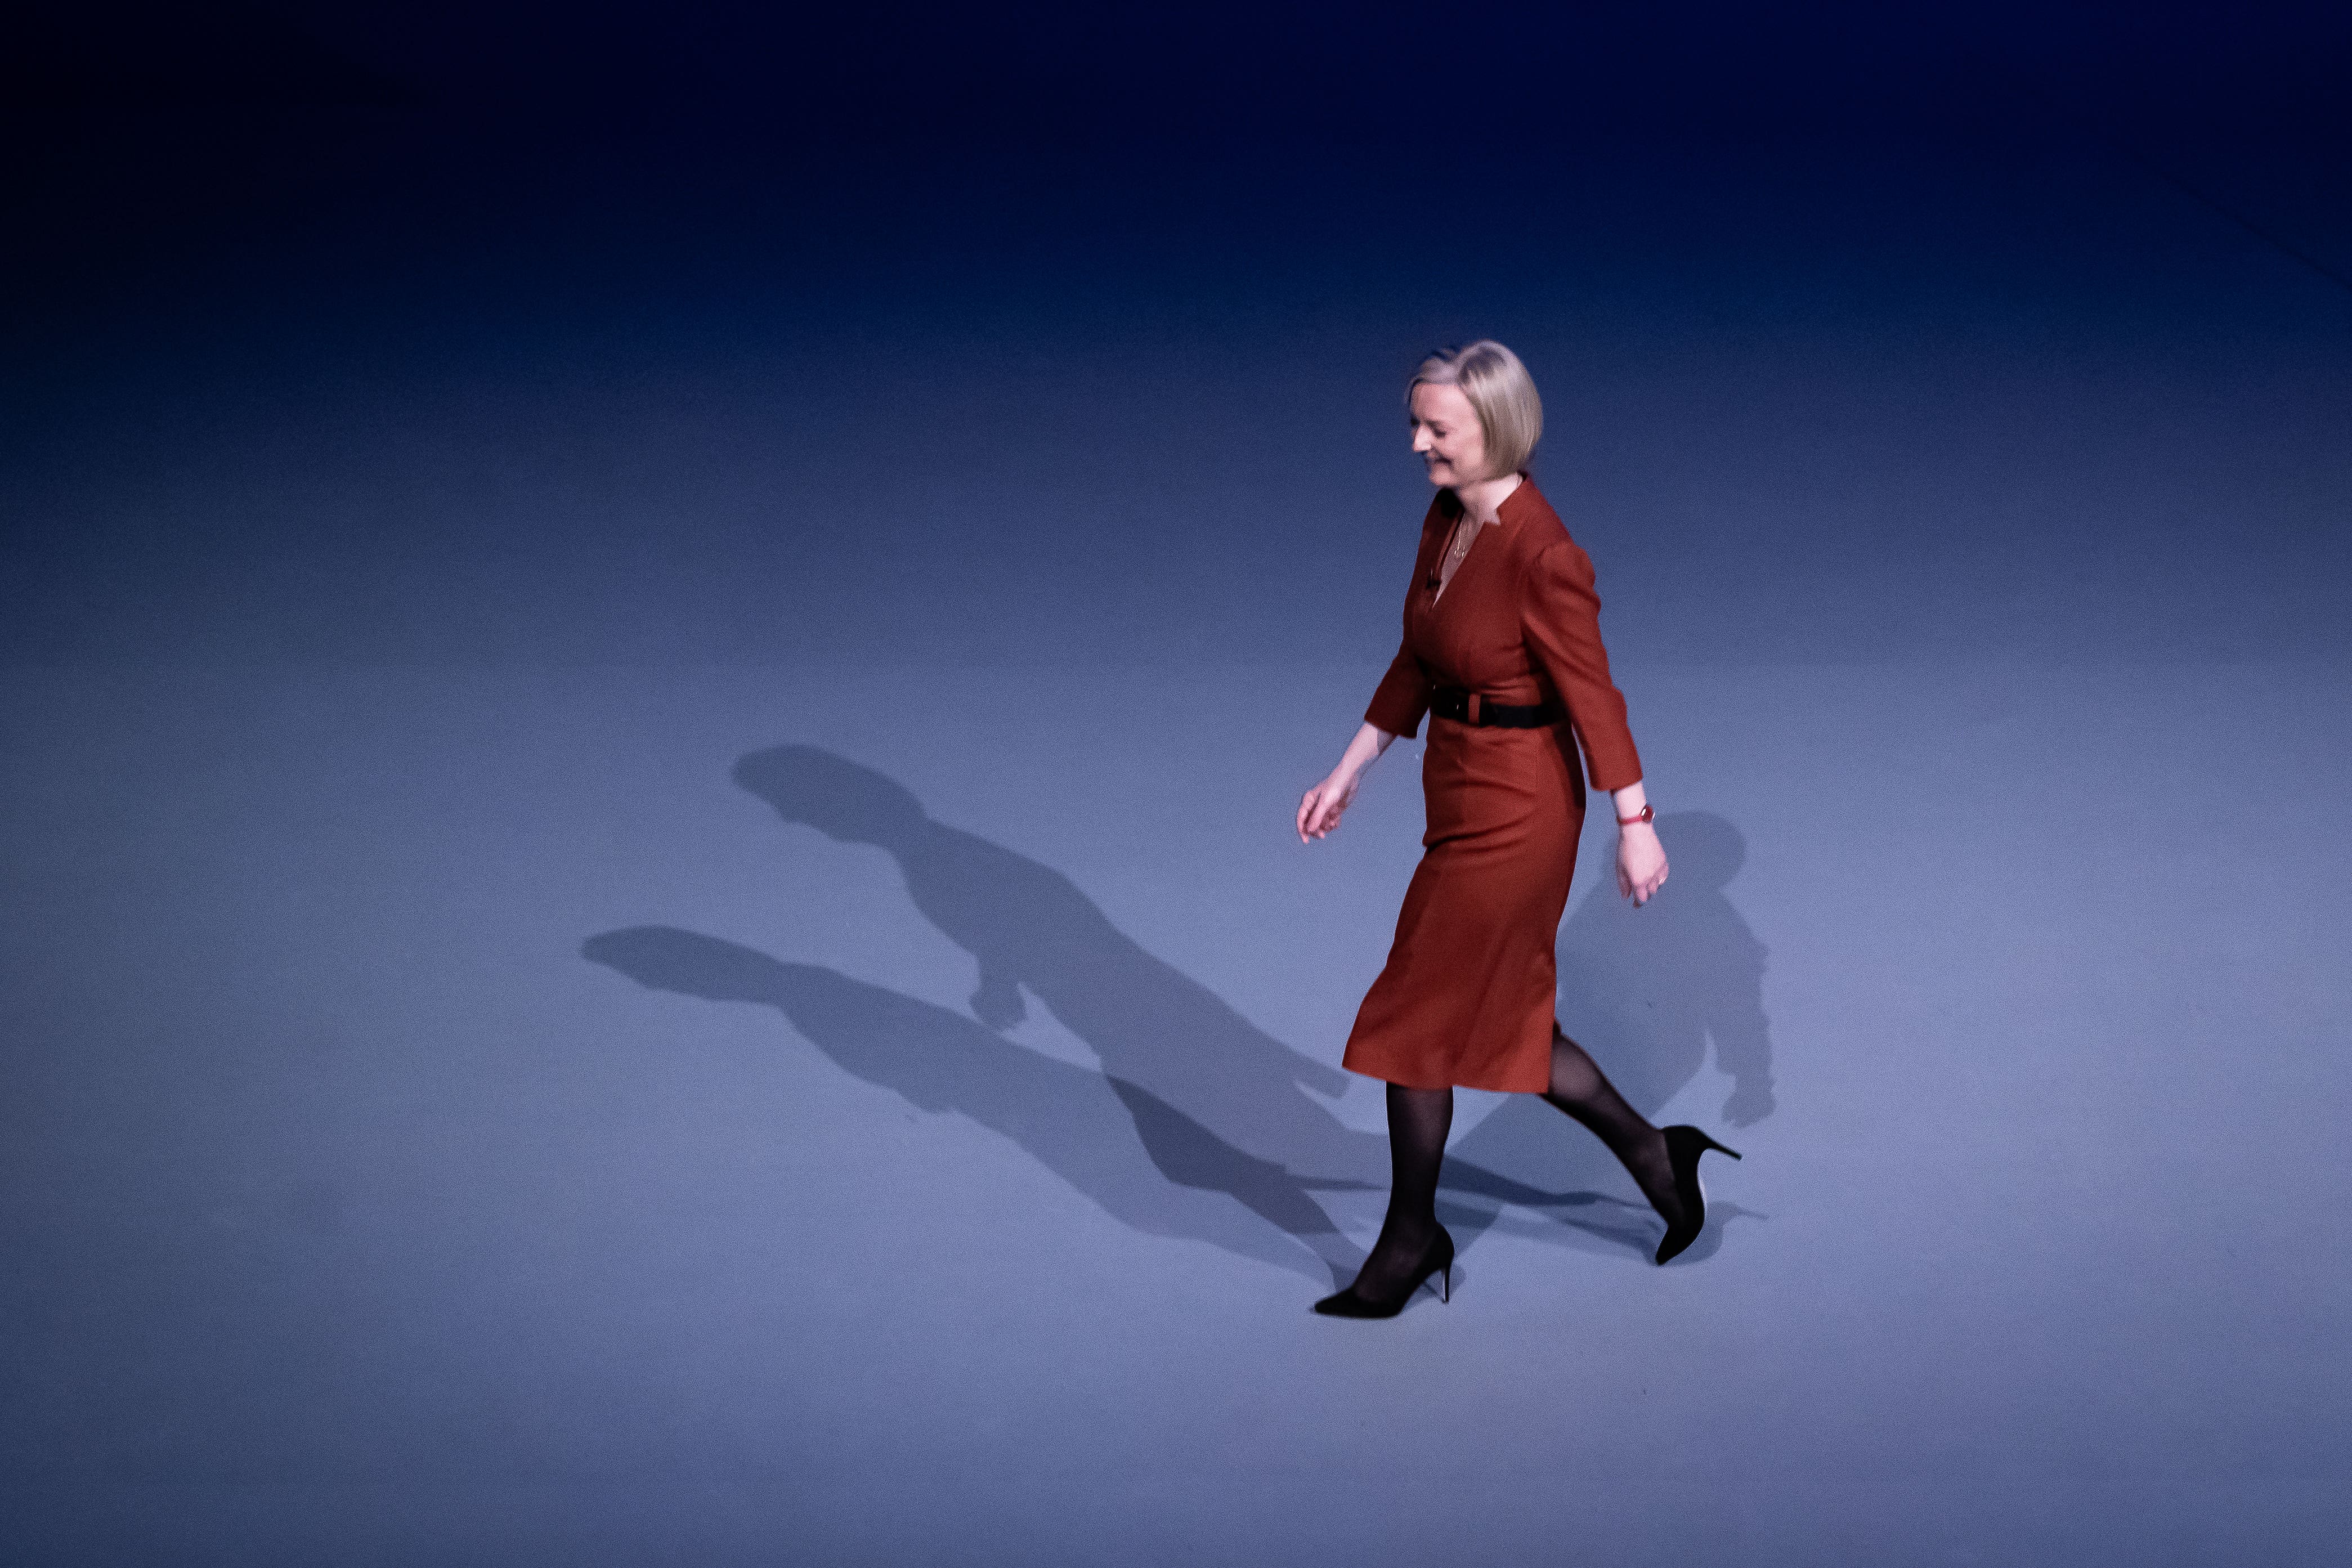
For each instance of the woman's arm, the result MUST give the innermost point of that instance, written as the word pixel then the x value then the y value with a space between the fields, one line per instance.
pixel 1319 807
pixel 1560 621
pixel 1563 624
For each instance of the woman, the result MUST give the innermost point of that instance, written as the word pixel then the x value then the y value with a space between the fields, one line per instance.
pixel 1502 648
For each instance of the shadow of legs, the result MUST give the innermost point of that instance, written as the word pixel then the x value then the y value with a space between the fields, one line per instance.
pixel 1145 1163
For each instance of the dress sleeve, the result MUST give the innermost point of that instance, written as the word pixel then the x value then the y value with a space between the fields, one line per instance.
pixel 1403 697
pixel 1561 619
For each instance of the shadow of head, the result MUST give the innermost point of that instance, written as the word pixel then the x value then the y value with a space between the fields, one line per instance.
pixel 1701 847
pixel 849 803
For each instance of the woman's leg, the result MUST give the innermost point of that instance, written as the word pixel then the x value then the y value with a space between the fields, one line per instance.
pixel 1579 1088
pixel 1419 1120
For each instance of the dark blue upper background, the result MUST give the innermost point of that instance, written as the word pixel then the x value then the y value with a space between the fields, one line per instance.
pixel 514 331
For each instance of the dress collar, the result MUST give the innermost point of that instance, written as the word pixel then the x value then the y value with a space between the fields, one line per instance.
pixel 1522 499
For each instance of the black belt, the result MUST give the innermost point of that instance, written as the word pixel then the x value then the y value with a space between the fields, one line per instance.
pixel 1455 703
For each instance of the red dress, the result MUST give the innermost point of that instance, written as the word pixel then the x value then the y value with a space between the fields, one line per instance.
pixel 1467 997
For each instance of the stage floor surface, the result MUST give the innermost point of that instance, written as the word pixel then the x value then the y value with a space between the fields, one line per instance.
pixel 756 1113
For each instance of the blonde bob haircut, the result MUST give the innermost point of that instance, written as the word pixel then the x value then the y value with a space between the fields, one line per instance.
pixel 1510 415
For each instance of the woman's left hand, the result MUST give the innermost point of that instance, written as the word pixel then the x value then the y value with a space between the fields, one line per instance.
pixel 1641 862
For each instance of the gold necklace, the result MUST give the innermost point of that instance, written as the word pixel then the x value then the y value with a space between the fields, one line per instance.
pixel 1442 573
pixel 1464 532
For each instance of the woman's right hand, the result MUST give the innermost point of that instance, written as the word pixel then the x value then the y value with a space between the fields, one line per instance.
pixel 1319 807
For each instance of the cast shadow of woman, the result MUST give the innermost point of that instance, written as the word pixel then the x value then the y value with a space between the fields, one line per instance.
pixel 1032 930
pixel 1216 1103
pixel 1647 992
pixel 1190 1095
pixel 1141 1160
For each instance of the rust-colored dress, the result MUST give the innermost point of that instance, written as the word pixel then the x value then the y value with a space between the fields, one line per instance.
pixel 1467 998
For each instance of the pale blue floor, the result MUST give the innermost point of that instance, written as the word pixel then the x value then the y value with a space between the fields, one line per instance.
pixel 492 1133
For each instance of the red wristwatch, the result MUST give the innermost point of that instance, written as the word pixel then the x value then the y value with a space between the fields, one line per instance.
pixel 1645 814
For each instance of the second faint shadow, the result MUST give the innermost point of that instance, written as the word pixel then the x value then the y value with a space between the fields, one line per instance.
pixel 1652 993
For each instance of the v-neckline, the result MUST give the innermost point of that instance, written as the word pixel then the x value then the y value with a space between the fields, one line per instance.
pixel 1446 579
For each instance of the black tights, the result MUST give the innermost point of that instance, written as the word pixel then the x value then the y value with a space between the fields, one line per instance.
pixel 1419 1120
pixel 1579 1088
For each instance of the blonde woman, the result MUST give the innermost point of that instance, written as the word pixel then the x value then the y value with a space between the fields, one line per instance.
pixel 1502 650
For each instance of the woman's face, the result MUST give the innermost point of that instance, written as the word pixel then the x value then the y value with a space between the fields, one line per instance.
pixel 1445 432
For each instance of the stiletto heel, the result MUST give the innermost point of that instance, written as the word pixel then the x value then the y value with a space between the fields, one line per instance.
pixel 1437 1260
pixel 1684 1147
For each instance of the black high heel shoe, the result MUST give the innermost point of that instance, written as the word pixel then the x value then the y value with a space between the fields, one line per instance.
pixel 1437 1260
pixel 1684 1146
